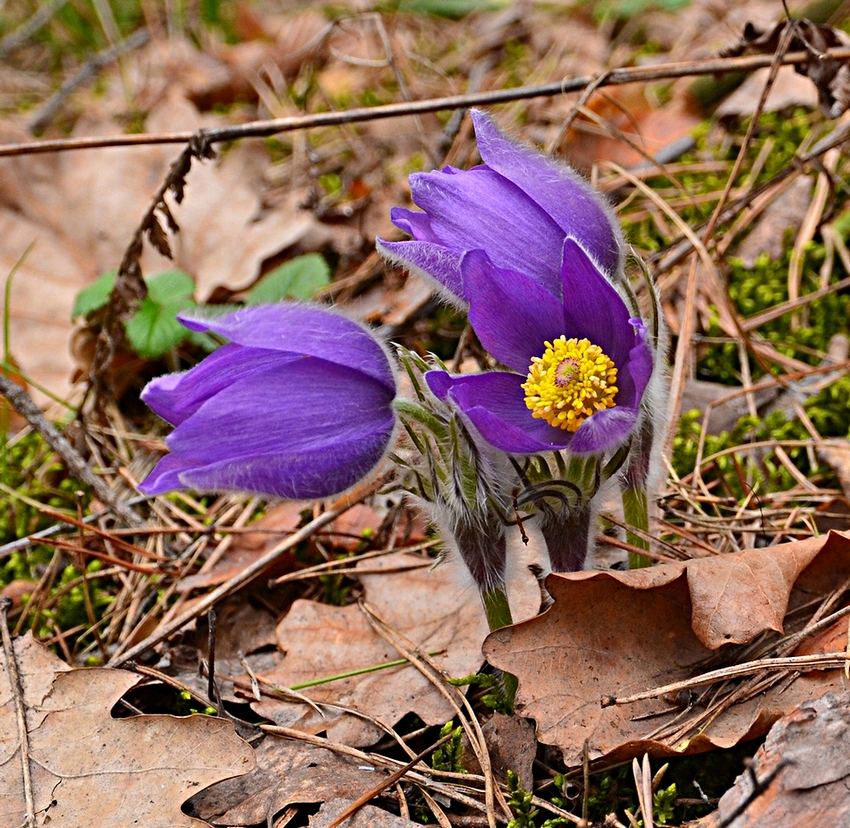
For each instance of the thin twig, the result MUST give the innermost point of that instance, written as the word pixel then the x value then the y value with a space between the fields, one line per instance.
pixel 265 129
pixel 23 404
pixel 35 537
pixel 828 661
pixel 17 691
pixel 23 34
pixel 47 111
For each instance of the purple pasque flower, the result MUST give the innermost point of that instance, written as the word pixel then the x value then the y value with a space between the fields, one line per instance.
pixel 519 206
pixel 298 405
pixel 578 363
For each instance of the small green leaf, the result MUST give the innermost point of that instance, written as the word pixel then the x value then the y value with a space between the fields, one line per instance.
pixel 299 278
pixel 154 329
pixel 94 296
pixel 453 9
pixel 170 286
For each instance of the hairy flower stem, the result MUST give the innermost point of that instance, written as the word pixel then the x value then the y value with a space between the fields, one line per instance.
pixel 634 493
pixel 496 608
pixel 498 614
pixel 636 513
pixel 567 536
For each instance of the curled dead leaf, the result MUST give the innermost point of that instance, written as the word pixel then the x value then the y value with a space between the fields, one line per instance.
pixel 623 633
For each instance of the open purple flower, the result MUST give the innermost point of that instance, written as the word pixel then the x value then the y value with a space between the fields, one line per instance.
pixel 298 404
pixel 518 206
pixel 578 363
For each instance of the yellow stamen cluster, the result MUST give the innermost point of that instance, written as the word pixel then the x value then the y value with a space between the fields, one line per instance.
pixel 571 382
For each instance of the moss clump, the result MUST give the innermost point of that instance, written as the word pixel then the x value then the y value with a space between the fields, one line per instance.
pixel 29 468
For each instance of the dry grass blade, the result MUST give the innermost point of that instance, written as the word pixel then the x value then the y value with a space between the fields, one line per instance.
pixel 386 783
pixel 456 699
pixel 643 783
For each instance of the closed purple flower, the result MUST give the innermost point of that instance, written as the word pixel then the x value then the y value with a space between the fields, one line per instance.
pixel 518 206
pixel 298 405
pixel 578 363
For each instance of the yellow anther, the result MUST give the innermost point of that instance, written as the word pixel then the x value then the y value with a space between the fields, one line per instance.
pixel 571 382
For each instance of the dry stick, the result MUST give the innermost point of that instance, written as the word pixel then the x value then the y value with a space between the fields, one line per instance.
pixel 47 111
pixel 229 587
pixel 23 404
pixel 264 129
pixel 810 662
pixel 17 691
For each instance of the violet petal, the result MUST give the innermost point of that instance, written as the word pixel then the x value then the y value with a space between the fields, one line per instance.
pixel 166 475
pixel 301 405
pixel 297 474
pixel 308 330
pixel 495 404
pixel 634 376
pixel 414 223
pixel 480 210
pixel 593 310
pixel 434 260
pixel 563 194
pixel 604 430
pixel 512 314
pixel 175 397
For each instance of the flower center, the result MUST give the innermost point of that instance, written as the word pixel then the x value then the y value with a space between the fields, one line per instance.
pixel 571 382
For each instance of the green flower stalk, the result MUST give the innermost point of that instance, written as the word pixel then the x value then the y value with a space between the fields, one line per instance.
pixel 642 469
pixel 463 484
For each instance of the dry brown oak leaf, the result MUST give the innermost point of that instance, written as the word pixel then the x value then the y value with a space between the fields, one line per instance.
pixel 288 772
pixel 431 606
pixel 624 633
pixel 90 769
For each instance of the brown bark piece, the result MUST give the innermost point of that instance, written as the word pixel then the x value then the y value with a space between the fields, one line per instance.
pixel 801 774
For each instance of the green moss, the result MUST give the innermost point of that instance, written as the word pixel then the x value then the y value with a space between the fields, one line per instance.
pixel 29 468
pixel 803 334
pixel 763 472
